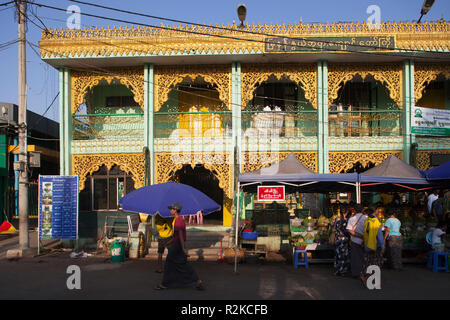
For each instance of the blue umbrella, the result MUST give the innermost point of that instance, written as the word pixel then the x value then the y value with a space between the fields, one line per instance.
pixel 158 197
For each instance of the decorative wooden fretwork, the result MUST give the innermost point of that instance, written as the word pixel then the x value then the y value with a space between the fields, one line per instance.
pixel 167 164
pixel 340 162
pixel 254 75
pixel 389 75
pixel 252 161
pixel 193 39
pixel 424 73
pixel 424 158
pixel 83 165
pixel 167 77
pixel 83 81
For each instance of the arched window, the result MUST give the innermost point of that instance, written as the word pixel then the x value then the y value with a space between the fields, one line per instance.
pixel 104 188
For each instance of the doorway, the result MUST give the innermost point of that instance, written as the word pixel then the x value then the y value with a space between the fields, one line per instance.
pixel 205 181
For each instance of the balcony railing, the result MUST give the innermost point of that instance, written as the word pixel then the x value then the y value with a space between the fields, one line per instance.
pixel 279 123
pixel 108 126
pixel 192 124
pixel 365 123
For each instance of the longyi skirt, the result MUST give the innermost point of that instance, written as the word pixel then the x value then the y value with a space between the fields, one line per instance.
pixel 177 270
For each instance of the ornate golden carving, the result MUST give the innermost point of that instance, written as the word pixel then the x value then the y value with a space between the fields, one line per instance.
pixel 182 39
pixel 166 164
pixel 342 161
pixel 82 81
pixel 254 75
pixel 389 75
pixel 424 158
pixel 85 164
pixel 424 73
pixel 167 77
pixel 252 161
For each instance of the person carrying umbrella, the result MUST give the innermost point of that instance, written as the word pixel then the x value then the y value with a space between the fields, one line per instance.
pixel 177 270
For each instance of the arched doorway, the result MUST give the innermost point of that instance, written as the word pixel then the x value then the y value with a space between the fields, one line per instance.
pixel 205 181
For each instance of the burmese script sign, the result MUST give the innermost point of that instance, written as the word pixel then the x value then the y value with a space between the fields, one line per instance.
pixel 271 193
pixel 371 43
pixel 432 122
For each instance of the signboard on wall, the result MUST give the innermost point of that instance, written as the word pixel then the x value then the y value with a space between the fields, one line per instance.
pixel 58 207
pixel 365 43
pixel 271 193
pixel 431 122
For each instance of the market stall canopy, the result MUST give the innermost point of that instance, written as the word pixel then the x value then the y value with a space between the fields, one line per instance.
pixel 297 177
pixel 158 197
pixel 439 175
pixel 393 174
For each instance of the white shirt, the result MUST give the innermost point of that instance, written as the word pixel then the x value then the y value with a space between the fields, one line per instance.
pixel 437 233
pixel 359 227
pixel 431 198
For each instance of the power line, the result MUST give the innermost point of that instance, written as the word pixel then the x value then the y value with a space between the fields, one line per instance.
pixel 233 37
pixel 227 29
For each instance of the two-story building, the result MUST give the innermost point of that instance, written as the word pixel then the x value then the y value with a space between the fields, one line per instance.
pixel 147 105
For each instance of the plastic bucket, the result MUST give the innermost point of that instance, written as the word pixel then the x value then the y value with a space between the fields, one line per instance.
pixel 118 252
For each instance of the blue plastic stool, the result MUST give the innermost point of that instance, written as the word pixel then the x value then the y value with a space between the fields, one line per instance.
pixel 433 257
pixel 303 262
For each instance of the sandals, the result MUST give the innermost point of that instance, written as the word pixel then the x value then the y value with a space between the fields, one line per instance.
pixel 160 287
pixel 200 287
pixel 157 271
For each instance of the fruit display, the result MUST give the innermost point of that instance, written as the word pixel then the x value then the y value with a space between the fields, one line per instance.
pixel 323 221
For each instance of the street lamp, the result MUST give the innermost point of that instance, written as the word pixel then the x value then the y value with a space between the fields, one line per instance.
pixel 427 4
pixel 242 13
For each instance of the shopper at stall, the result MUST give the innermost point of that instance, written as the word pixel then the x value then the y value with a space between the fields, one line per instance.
pixel 437 209
pixel 342 254
pixel 373 244
pixel 431 198
pixel 355 227
pixel 393 240
pixel 177 270
pixel 164 226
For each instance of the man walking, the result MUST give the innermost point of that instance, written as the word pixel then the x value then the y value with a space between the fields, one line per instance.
pixel 355 227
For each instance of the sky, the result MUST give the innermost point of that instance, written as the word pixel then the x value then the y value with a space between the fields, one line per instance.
pixel 42 79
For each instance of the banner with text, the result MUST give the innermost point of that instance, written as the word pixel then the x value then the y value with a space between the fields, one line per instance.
pixel 431 122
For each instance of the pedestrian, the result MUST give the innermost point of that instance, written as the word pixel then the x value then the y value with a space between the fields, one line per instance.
pixel 393 240
pixel 431 198
pixel 437 209
pixel 355 228
pixel 373 244
pixel 164 226
pixel 342 254
pixel 177 270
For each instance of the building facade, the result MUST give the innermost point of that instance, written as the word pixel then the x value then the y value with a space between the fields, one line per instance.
pixel 199 104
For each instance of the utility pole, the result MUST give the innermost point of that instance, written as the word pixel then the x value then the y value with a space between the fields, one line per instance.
pixel 23 156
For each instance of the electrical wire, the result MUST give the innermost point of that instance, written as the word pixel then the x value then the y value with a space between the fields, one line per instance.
pixel 225 28
pixel 231 37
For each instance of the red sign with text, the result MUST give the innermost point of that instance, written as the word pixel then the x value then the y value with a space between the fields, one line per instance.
pixel 271 193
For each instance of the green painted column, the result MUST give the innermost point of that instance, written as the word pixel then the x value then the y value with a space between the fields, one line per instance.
pixel 68 123
pixel 149 116
pixel 326 167
pixel 320 117
pixel 61 120
pixel 408 105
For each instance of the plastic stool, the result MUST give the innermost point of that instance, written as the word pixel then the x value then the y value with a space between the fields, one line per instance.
pixel 198 217
pixel 303 262
pixel 433 261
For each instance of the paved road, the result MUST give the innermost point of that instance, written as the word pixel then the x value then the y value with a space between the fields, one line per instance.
pixel 45 278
